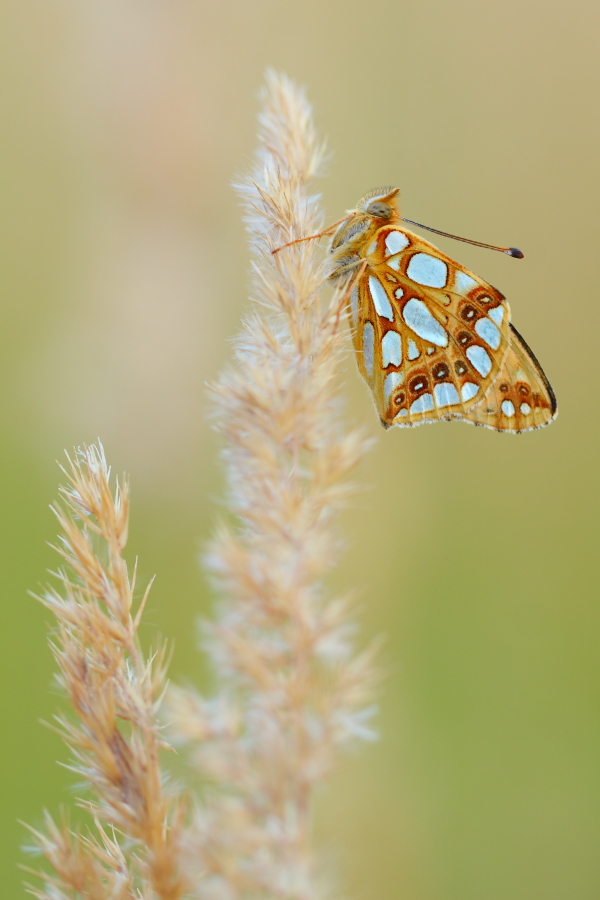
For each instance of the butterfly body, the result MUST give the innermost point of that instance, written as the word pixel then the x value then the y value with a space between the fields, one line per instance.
pixel 432 339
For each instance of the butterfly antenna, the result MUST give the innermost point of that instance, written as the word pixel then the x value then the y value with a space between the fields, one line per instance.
pixel 311 237
pixel 510 251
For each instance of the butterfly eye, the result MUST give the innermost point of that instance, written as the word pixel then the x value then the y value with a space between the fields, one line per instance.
pixel 379 210
pixel 460 367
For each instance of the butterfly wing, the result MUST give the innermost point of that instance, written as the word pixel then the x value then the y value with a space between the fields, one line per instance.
pixel 521 398
pixel 430 336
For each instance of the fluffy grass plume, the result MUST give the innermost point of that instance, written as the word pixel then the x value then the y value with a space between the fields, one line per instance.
pixel 113 732
pixel 290 691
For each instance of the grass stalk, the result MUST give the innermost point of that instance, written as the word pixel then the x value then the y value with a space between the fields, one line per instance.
pixel 291 690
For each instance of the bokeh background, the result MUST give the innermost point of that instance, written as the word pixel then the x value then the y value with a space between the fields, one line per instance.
pixel 123 271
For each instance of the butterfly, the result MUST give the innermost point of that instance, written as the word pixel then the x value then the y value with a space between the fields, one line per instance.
pixel 433 340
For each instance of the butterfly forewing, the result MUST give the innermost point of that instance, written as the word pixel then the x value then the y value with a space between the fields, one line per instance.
pixel 520 398
pixel 430 335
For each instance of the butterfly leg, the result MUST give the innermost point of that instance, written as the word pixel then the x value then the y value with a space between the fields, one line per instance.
pixel 310 237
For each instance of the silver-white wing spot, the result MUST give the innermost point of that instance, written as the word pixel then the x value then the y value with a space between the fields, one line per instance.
pixel 354 306
pixel 380 299
pixel 413 351
pixel 395 242
pixel 525 408
pixel 391 349
pixel 368 337
pixel 445 394
pixel 391 382
pixel 423 404
pixel 420 320
pixel 468 390
pixel 508 408
pixel 479 359
pixel 488 332
pixel 398 293
pixel 464 283
pixel 496 314
pixel 427 270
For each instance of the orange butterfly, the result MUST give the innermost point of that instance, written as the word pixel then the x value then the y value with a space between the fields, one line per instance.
pixel 433 341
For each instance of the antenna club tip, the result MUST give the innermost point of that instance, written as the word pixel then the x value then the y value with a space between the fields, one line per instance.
pixel 514 251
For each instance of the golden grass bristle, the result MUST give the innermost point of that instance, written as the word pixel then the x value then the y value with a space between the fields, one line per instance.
pixel 113 731
pixel 291 691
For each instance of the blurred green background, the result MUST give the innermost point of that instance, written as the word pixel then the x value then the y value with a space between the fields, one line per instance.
pixel 123 272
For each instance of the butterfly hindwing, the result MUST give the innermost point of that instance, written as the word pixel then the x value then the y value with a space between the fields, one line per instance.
pixel 521 398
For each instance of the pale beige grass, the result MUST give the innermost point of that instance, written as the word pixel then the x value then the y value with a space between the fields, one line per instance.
pixel 114 735
pixel 291 692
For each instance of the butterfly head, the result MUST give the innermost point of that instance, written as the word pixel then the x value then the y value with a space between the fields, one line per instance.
pixel 380 203
pixel 374 209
